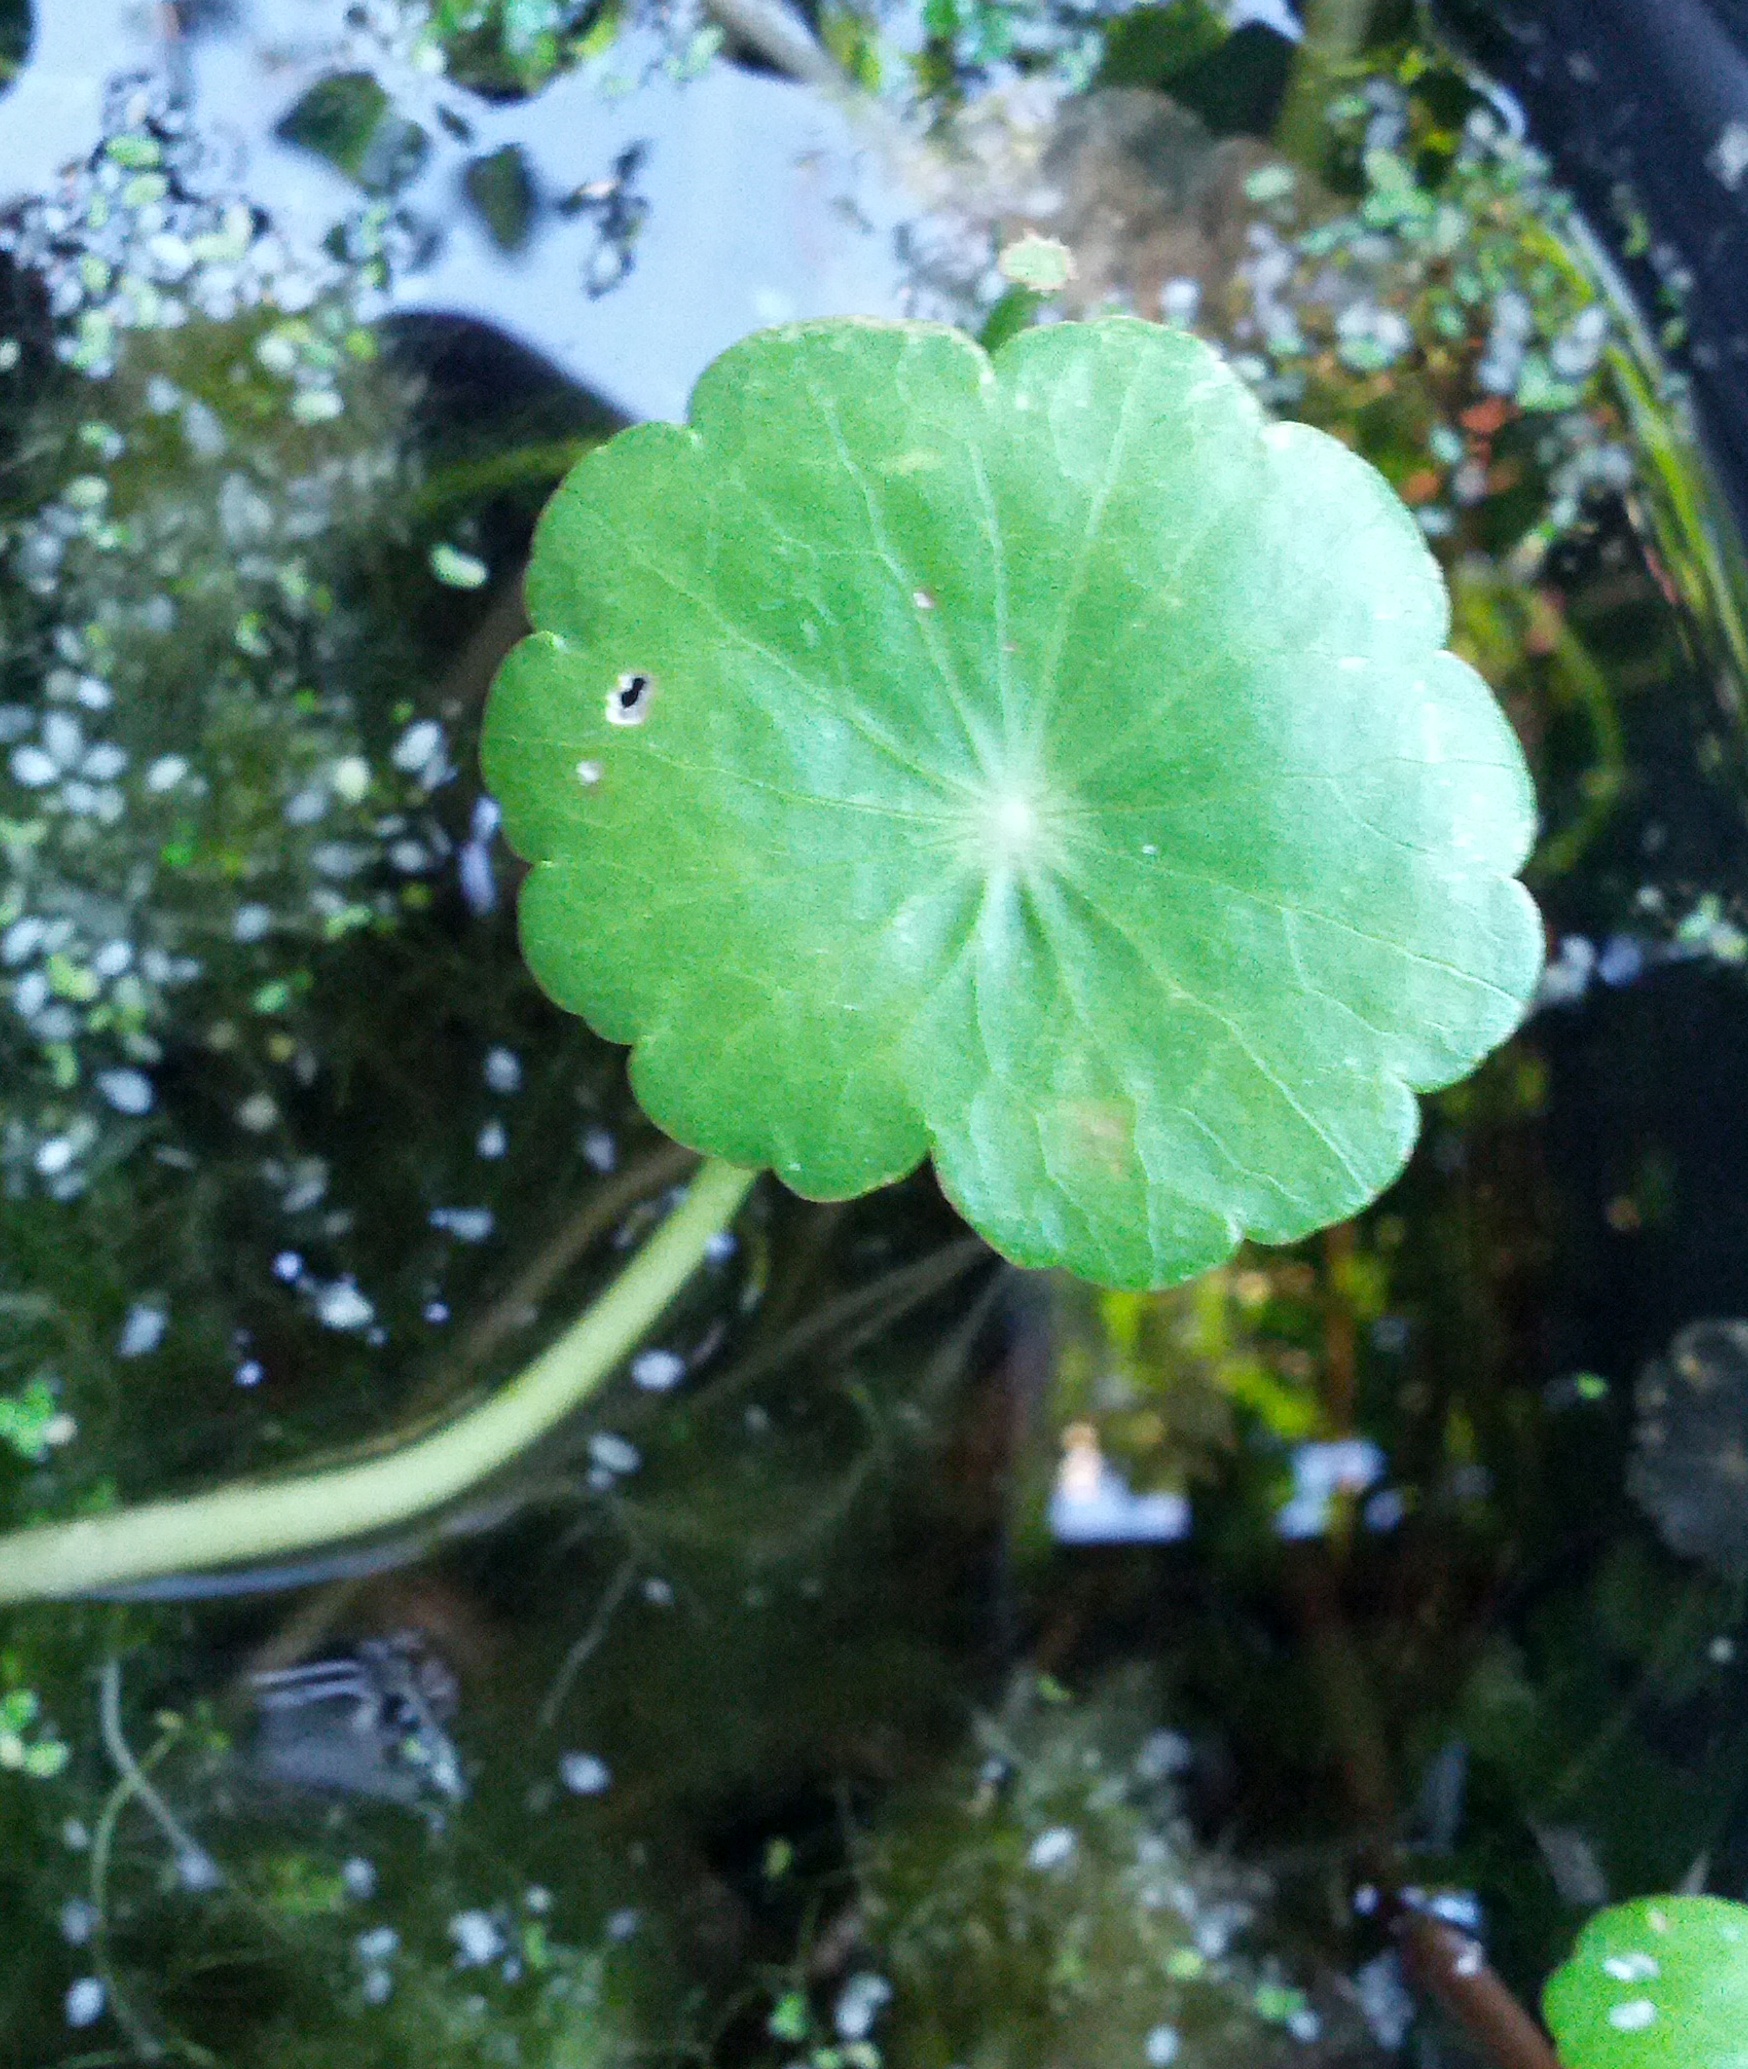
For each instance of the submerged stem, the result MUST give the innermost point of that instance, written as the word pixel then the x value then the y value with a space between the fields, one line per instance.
pixel 1335 35
pixel 263 1519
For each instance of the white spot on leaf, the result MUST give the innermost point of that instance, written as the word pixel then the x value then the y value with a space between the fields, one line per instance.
pixel 628 701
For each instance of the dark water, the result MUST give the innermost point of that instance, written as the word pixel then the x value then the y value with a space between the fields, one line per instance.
pixel 906 1660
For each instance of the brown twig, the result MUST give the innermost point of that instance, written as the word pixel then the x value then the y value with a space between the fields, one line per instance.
pixel 1340 1342
pixel 1448 1966
pixel 1444 1964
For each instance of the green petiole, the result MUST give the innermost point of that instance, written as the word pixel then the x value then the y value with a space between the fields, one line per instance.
pixel 275 1517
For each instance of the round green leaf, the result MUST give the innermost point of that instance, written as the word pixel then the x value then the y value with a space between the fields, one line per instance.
pixel 1044 763
pixel 1044 264
pixel 1657 1984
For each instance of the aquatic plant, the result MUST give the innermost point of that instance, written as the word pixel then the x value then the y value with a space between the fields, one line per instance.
pixel 1042 765
pixel 928 782
pixel 1660 1981
pixel 1045 1900
pixel 189 797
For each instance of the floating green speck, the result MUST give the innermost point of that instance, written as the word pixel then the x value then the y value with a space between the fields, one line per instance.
pixel 458 570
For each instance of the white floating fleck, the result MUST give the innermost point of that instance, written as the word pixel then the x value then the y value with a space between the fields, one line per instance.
pixel 317 405
pixel 585 1775
pixel 419 746
pixel 492 1141
pixel 251 923
pixel 503 1070
pixel 1728 157
pixel 128 1091
pixel 64 737
pixel 340 1305
pixel 142 1331
pixel 860 2003
pixel 34 768
pixel 600 1152
pixel 79 1920
pixel 85 2001
pixel 278 354
pixel 614 1454
pixel 658 1370
pixel 358 1878
pixel 382 1943
pixel 166 772
pixel 203 430
pixel 1633 2017
pixel 1458 1907
pixel 458 570
pixel 170 256
pixel 478 886
pixel 588 773
pixel 197 1871
pixel 465 1224
pixel 922 599
pixel 1162 1755
pixel 1161 2047
pixel 21 941
pixel 1180 301
pixel 478 1938
pixel 1386 2000
pixel 1054 1848
pixel 349 779
pixel 258 1113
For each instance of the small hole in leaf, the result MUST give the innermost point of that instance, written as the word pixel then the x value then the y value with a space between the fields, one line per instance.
pixel 588 773
pixel 923 600
pixel 628 701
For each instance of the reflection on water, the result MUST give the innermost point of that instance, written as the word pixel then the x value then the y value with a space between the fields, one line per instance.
pixel 907 1661
pixel 709 199
pixel 1092 1504
pixel 1690 1470
pixel 368 1725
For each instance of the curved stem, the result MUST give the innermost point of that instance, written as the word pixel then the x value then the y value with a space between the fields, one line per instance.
pixel 1335 35
pixel 265 1519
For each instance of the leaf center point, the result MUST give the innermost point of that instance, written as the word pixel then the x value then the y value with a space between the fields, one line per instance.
pixel 1013 826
